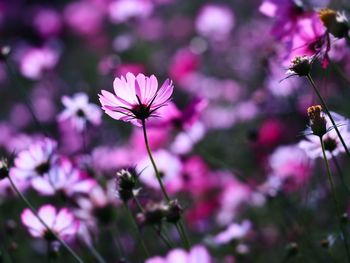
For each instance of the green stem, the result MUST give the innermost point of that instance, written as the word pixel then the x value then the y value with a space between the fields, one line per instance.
pixel 331 182
pixel 339 170
pixel 324 105
pixel 153 162
pixel 96 254
pixel 29 205
pixel 179 225
pixel 138 231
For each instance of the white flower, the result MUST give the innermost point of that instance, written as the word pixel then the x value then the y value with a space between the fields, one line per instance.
pixel 79 111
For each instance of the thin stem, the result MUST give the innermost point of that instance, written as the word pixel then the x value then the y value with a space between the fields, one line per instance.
pixel 339 170
pixel 328 113
pixel 153 162
pixel 331 182
pixel 138 231
pixel 179 225
pixel 96 254
pixel 29 205
pixel 157 230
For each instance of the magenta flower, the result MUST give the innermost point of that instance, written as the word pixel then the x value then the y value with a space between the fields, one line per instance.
pixel 62 223
pixel 136 98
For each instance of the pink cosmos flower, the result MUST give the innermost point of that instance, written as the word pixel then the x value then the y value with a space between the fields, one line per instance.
pixel 136 98
pixel 62 223
pixel 79 111
pixel 197 254
pixel 63 178
pixel 37 160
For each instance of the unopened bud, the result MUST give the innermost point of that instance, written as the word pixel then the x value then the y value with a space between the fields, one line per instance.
pixel 318 122
pixel 292 249
pixel 335 22
pixel 4 170
pixel 10 227
pixel 174 211
pixel 154 213
pixel 4 52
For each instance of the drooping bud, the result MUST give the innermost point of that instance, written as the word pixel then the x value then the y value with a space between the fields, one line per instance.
pixel 318 122
pixel 301 66
pixel 335 22
pixel 292 249
pixel 4 52
pixel 173 212
pixel 155 213
pixel 4 170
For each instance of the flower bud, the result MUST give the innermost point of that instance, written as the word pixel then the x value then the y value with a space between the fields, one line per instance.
pixel 301 66
pixel 335 22
pixel 318 122
pixel 4 170
pixel 10 227
pixel 154 213
pixel 173 212
pixel 292 249
pixel 4 52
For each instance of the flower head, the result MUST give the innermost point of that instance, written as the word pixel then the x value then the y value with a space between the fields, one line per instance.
pixel 318 122
pixel 300 65
pixel 136 98
pixel 62 223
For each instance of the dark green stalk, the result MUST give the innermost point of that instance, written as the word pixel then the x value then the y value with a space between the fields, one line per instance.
pixel 179 225
pixel 333 190
pixel 341 175
pixel 147 254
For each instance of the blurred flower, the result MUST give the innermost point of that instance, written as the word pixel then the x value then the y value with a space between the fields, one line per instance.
pixel 291 167
pixel 215 21
pixel 37 160
pixel 83 17
pixel 122 10
pixel 80 112
pixel 48 22
pixel 35 61
pixel 198 254
pixel 233 232
pixel 169 167
pixel 62 223
pixel 136 98
pixel 63 179
pixel 332 143
pixel 286 14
